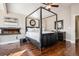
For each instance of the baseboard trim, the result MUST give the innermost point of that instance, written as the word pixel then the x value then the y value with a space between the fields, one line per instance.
pixel 71 41
pixel 9 42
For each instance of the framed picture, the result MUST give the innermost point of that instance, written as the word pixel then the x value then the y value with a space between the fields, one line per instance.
pixel 59 24
pixel 32 23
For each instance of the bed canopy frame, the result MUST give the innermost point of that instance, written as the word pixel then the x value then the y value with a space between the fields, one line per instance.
pixel 40 21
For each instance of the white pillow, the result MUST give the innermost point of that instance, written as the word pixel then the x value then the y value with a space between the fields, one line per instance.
pixel 30 29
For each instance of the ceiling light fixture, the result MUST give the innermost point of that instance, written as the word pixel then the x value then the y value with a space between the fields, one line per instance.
pixel 48 7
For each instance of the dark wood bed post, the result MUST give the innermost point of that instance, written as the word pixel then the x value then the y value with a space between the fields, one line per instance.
pixel 25 24
pixel 57 26
pixel 41 27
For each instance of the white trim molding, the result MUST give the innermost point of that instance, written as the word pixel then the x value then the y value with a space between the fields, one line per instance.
pixel 9 42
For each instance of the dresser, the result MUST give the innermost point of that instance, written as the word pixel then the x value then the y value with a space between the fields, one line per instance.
pixel 61 36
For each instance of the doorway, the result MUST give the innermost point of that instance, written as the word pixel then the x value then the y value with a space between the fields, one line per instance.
pixel 77 28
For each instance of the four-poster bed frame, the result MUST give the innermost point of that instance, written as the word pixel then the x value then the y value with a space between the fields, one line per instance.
pixel 54 35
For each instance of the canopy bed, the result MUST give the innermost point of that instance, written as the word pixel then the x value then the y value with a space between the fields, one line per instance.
pixel 37 30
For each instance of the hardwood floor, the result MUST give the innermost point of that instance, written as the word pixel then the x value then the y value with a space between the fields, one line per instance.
pixel 61 48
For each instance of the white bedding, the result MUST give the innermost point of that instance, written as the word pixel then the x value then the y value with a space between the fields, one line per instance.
pixel 36 34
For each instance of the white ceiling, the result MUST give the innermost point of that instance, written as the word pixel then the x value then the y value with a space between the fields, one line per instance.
pixel 23 8
pixel 26 8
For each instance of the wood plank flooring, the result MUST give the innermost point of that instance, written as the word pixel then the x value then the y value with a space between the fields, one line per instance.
pixel 61 48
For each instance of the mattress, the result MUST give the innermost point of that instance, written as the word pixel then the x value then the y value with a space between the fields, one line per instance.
pixel 45 32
